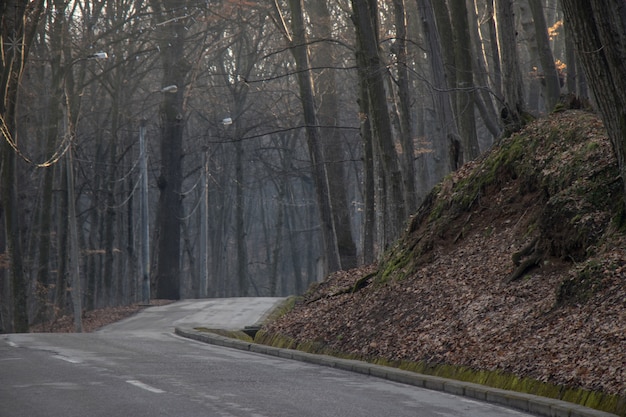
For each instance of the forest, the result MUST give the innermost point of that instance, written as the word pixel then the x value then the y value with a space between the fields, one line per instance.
pixel 185 149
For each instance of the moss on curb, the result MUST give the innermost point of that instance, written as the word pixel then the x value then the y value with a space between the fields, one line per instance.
pixel 233 334
pixel 495 379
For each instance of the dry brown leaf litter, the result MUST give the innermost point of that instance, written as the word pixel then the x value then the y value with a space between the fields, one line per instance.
pixel 458 308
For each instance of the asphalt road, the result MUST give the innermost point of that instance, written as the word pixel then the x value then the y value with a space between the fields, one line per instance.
pixel 138 367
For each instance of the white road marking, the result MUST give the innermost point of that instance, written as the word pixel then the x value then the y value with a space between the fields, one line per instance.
pixel 147 387
pixel 66 359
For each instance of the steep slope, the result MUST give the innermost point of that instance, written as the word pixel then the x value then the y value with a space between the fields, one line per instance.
pixel 514 264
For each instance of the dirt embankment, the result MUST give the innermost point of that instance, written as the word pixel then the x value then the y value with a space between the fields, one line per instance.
pixel 515 263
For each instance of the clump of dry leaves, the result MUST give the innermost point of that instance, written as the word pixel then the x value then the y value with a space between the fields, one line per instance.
pixel 455 301
pixel 94 319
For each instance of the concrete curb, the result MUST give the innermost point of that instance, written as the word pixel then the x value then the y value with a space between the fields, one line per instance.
pixel 544 407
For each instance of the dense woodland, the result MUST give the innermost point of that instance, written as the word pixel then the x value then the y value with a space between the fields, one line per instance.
pixel 179 149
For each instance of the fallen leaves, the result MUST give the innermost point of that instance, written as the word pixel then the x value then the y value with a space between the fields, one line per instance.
pixel 456 309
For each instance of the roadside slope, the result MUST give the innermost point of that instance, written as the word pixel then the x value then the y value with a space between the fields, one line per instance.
pixel 515 264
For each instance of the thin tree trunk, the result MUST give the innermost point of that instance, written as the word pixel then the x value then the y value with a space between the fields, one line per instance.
pixel 448 137
pixel 482 97
pixel 496 70
pixel 240 230
pixel 307 96
pixel 323 57
pixel 404 106
pixel 551 84
pixel 278 240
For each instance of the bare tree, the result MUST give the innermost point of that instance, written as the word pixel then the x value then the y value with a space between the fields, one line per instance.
pixel 298 44
pixel 324 60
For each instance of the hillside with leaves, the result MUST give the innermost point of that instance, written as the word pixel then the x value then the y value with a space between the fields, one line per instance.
pixel 515 264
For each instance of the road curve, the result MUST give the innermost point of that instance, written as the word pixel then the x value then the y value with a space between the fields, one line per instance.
pixel 140 368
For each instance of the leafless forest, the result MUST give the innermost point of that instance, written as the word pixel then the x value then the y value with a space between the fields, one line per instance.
pixel 180 149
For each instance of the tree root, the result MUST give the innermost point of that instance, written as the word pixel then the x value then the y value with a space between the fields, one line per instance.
pixel 534 258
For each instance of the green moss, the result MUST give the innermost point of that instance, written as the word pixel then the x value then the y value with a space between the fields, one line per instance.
pixel 619 219
pixel 583 285
pixel 394 266
pixel 233 334
pixel 492 378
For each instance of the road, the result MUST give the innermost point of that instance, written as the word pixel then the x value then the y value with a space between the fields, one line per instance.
pixel 138 367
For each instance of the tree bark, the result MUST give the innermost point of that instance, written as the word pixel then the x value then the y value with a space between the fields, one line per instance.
pixel 404 105
pixel 323 58
pixel 464 79
pixel 441 93
pixel 496 69
pixel 364 15
pixel 482 97
pixel 18 19
pixel 443 25
pixel 551 84
pixel 599 32
pixel 175 68
pixel 307 96
pixel 512 83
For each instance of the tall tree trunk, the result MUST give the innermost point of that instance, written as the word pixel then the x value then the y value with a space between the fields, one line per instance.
pixel 551 84
pixel 599 31
pixel 240 227
pixel 278 239
pixel 364 15
pixel 464 79
pixel 323 58
pixel 369 187
pixel 52 136
pixel 18 18
pixel 448 141
pixel 307 96
pixel 512 83
pixel 404 106
pixel 171 40
pixel 443 25
pixel 482 96
pixel 496 69
pixel 62 244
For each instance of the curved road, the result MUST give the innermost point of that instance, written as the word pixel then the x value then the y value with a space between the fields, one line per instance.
pixel 138 367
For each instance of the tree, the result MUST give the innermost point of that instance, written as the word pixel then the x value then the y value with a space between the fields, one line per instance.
pixel 404 105
pixel 551 83
pixel 442 100
pixel 172 34
pixel 599 32
pixel 512 83
pixel 299 48
pixel 464 79
pixel 324 60
pixel 365 18
pixel 18 21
